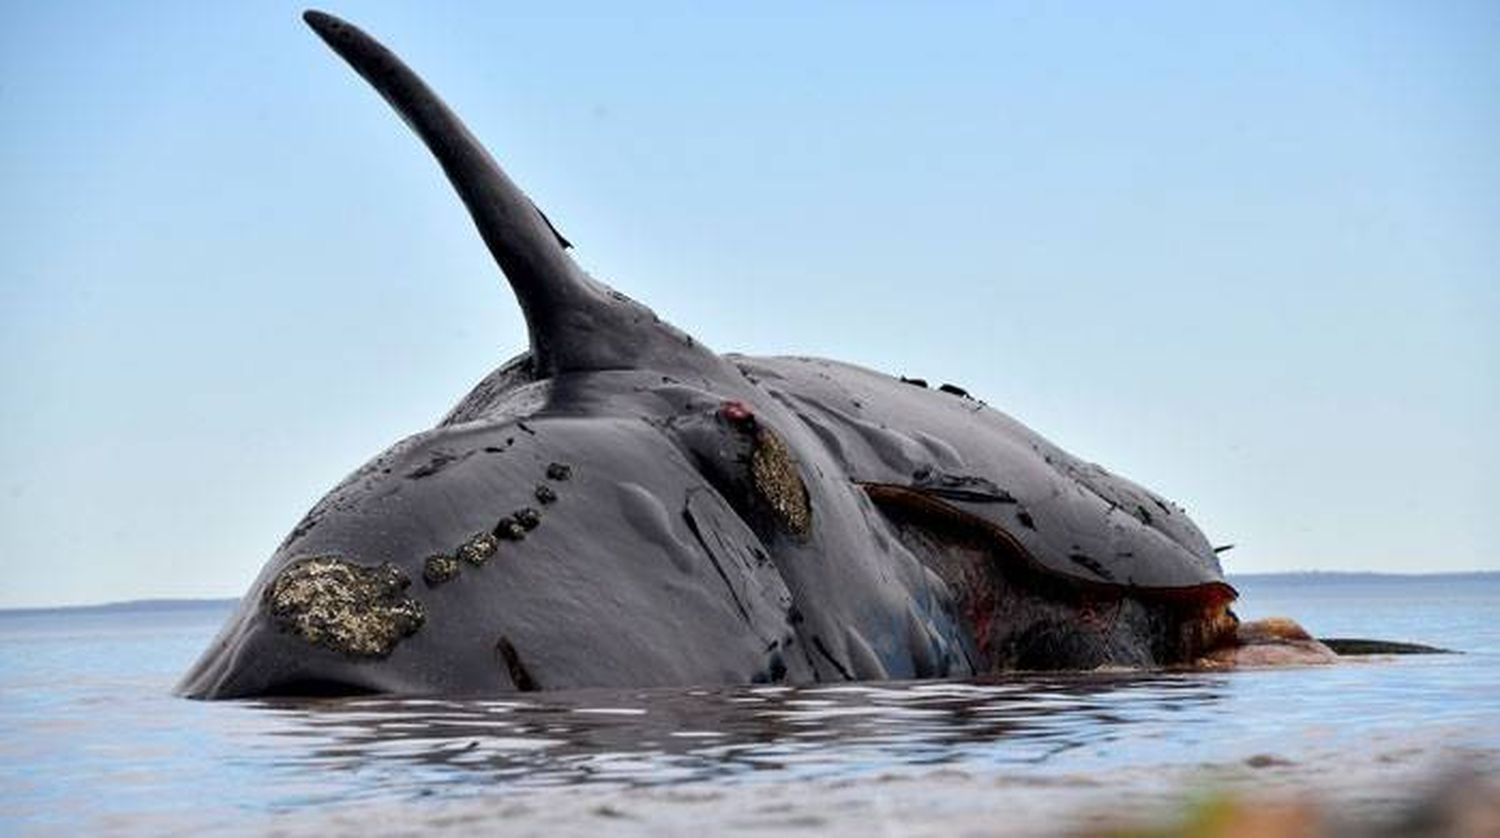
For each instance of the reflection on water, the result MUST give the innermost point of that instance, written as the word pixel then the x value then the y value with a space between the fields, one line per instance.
pixel 654 737
pixel 92 736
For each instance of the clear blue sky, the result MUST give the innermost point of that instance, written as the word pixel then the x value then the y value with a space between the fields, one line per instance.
pixel 1246 255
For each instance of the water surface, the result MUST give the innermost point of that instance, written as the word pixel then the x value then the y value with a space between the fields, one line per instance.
pixel 93 739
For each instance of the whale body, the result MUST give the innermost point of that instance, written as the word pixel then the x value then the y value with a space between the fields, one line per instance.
pixel 619 505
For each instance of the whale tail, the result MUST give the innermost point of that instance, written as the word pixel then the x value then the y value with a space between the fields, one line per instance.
pixel 575 322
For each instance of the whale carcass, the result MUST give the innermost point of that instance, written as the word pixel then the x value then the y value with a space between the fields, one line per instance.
pixel 620 505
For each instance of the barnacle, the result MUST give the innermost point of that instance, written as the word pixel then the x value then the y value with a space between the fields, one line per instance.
pixel 478 549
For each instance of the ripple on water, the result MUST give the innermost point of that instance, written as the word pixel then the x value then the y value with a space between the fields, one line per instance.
pixel 92 732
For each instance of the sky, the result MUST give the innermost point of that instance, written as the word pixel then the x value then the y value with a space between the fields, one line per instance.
pixel 1247 255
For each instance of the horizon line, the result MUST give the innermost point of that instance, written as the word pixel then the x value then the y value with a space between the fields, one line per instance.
pixel 189 602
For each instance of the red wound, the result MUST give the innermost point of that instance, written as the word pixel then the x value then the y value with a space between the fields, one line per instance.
pixel 736 413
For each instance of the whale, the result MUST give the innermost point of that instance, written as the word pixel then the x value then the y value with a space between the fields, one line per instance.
pixel 620 505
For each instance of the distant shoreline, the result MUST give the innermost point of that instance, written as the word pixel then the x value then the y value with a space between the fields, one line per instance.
pixel 1366 575
pixel 194 604
pixel 123 607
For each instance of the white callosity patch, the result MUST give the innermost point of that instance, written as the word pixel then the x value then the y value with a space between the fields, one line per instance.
pixel 346 607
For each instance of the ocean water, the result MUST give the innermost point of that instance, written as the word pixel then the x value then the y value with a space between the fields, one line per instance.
pixel 92 740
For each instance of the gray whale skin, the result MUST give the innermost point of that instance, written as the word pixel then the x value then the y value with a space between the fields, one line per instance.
pixel 621 506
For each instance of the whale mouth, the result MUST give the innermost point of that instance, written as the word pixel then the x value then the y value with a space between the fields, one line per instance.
pixel 1022 616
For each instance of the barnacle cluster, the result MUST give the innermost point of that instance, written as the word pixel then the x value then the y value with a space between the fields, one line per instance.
pixel 478 549
pixel 346 607
pixel 439 569
pixel 774 475
pixel 481 546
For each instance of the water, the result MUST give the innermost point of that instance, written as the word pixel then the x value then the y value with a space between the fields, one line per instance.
pixel 93 741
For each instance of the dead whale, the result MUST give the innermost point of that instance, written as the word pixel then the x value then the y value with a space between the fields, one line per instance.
pixel 621 506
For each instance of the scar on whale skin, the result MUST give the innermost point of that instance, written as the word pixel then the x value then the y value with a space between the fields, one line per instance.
pixel 345 607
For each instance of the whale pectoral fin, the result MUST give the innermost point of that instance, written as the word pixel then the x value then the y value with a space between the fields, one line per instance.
pixel 1357 646
pixel 575 322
